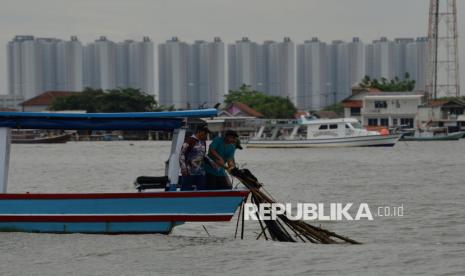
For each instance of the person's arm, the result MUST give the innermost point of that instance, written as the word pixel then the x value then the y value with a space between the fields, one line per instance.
pixel 212 151
pixel 231 164
pixel 230 160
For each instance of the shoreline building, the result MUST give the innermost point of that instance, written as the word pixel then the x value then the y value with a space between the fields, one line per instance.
pixel 36 65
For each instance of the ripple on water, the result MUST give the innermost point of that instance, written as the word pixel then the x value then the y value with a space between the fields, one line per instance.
pixel 427 178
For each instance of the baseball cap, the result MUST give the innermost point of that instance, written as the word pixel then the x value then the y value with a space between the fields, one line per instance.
pixel 231 132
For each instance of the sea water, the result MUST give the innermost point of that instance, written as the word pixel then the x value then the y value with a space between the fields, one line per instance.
pixel 426 178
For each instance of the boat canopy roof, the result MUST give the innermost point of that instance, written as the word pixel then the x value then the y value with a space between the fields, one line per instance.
pixel 166 120
pixel 306 121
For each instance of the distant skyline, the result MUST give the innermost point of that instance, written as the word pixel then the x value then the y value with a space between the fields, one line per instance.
pixel 231 20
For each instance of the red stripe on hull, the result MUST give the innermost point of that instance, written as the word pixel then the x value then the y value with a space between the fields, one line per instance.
pixel 135 218
pixel 127 195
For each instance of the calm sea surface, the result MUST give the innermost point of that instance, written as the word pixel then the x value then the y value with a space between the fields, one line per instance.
pixel 427 178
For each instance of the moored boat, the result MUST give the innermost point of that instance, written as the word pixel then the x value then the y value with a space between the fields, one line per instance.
pixel 137 212
pixel 432 136
pixel 32 137
pixel 309 133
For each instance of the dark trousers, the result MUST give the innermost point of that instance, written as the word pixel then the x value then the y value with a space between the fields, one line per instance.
pixel 193 182
pixel 217 183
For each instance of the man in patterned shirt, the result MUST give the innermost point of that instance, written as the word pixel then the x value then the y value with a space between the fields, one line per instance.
pixel 191 161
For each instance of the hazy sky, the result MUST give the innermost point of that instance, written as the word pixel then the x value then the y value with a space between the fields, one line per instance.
pixel 229 19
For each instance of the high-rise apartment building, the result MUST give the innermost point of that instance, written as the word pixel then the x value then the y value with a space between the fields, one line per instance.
pixel 191 75
pixel 312 75
pixel 267 67
pixel 417 53
pixel 172 73
pixel 69 70
pixel 127 64
pixel 401 58
pixel 281 69
pixel 206 73
pixel 242 65
pixel 100 64
pixel 36 65
pixel 381 59
pixel 327 72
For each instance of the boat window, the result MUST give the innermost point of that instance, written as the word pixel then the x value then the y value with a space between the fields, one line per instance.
pixel 347 126
pixel 323 127
pixel 334 126
pixel 357 125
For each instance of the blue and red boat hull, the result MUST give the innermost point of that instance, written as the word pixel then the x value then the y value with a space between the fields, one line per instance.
pixel 112 213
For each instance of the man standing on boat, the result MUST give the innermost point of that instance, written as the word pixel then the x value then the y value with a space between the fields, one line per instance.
pixel 221 152
pixel 191 160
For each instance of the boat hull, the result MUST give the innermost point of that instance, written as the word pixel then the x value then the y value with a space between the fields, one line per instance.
pixel 114 212
pixel 45 140
pixel 360 141
pixel 449 137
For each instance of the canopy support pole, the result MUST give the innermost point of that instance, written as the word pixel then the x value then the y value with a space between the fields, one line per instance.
pixel 4 158
pixel 173 165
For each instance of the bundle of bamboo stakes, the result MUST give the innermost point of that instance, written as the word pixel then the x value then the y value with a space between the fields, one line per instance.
pixel 283 229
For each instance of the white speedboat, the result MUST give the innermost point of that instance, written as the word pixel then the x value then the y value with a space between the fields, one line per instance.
pixel 309 133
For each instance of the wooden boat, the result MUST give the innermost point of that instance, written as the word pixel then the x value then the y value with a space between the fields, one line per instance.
pixel 431 134
pixel 344 132
pixel 32 138
pixel 137 212
pixel 446 137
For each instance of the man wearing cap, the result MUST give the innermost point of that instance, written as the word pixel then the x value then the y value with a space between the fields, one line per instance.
pixel 221 153
pixel 191 161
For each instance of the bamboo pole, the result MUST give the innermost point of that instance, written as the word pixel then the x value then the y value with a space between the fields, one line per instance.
pixel 277 229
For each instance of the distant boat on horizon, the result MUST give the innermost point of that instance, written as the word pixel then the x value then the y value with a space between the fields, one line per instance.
pixel 30 136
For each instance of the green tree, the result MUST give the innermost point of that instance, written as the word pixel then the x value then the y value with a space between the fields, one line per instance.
pixel 269 106
pixel 383 84
pixel 114 100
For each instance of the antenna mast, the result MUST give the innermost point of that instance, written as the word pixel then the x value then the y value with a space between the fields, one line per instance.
pixel 443 60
